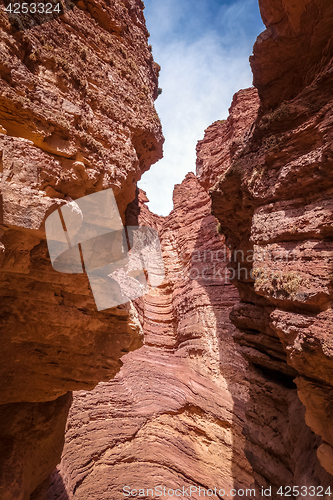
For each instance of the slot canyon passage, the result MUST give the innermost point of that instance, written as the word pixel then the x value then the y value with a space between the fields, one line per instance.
pixel 204 381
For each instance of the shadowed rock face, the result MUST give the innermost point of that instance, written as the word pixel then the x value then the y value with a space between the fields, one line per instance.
pixel 274 200
pixel 31 437
pixel 77 116
pixel 173 415
pixel 290 54
pixel 279 446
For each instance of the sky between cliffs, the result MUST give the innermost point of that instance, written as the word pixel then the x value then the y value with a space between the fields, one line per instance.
pixel 203 47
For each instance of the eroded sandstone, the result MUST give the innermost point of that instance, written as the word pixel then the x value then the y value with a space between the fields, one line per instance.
pixel 174 414
pixel 273 200
pixel 208 400
pixel 267 168
pixel 77 116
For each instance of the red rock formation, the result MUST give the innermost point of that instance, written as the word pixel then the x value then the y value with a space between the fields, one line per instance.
pixel 270 183
pixel 290 54
pixel 31 437
pixel 274 201
pixel 173 415
pixel 76 116
pixel 225 137
pixel 189 407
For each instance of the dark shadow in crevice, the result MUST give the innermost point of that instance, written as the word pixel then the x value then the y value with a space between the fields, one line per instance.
pixel 56 488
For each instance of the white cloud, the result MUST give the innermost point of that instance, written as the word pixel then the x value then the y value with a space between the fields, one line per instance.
pixel 199 77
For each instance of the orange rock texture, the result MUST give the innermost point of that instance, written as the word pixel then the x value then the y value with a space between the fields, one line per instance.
pixel 232 387
pixel 201 403
pixel 274 202
pixel 77 116
pixel 174 414
pixel 268 169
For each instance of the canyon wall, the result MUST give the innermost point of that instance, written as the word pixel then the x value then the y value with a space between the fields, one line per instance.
pixel 274 203
pixel 204 402
pixel 233 386
pixel 173 415
pixel 76 116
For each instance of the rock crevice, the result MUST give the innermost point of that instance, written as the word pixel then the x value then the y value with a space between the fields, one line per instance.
pixel 178 401
pixel 231 386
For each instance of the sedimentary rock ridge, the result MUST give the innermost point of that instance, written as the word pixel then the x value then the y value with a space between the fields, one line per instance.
pixel 285 56
pixel 173 415
pixel 274 201
pixel 76 116
pixel 224 138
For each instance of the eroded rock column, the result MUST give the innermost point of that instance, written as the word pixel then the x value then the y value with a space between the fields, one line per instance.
pixel 77 116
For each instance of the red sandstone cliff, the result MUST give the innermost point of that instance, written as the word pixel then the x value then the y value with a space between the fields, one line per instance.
pixel 174 414
pixel 270 184
pixel 77 116
pixel 202 402
pixel 185 408
pixel 273 199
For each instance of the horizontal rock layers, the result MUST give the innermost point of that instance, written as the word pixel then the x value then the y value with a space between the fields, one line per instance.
pixel 190 407
pixel 77 116
pixel 268 173
pixel 274 203
pixel 173 415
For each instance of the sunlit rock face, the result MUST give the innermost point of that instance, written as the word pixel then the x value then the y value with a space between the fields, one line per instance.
pixel 225 137
pixel 174 414
pixel 77 116
pixel 274 201
pixel 207 401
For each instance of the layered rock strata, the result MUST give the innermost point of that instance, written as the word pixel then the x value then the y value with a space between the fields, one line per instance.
pixel 190 407
pixel 274 203
pixel 173 415
pixel 76 116
pixel 261 170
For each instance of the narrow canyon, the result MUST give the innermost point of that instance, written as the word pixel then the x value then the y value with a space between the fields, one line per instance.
pixel 220 380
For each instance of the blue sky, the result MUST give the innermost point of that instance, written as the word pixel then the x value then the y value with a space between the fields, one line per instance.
pixel 203 47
